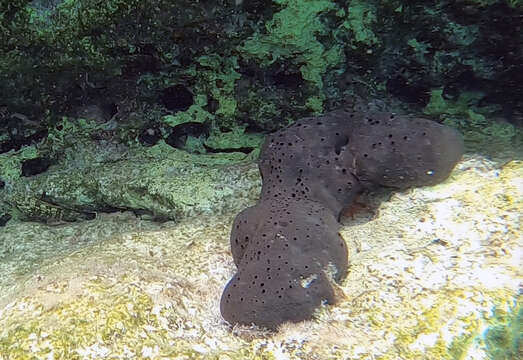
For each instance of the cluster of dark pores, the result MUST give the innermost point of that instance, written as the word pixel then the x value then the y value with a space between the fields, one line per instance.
pixel 287 247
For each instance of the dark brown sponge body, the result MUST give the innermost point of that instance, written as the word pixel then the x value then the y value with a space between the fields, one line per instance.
pixel 287 247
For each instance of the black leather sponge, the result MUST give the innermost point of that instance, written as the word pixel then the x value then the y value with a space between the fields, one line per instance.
pixel 287 247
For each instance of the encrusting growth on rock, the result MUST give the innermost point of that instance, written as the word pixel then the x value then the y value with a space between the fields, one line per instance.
pixel 287 247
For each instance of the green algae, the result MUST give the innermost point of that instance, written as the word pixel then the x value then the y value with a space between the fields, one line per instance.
pixel 295 35
pixel 420 49
pixel 68 133
pixel 484 3
pixel 194 145
pixel 98 325
pixel 432 321
pixel 292 34
pixel 143 265
pixel 315 104
pixel 461 35
pixel 502 343
pixel 268 114
pixel 504 336
pixel 195 113
pixel 233 139
pixel 214 79
pixel 218 77
pixel 471 120
pixel 458 348
pixel 67 195
pixel 360 18
pixel 515 3
pixel 149 309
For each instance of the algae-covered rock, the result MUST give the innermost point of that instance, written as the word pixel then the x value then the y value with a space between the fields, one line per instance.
pixel 236 138
pixel 261 63
pixel 159 182
pixel 434 274
pixel 472 120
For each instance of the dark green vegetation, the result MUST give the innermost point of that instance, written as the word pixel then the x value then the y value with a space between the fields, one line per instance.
pixel 260 61
pixel 206 75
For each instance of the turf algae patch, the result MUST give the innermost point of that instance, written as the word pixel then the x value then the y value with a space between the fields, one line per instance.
pixel 503 337
pixel 83 327
pixel 103 307
pixel 297 26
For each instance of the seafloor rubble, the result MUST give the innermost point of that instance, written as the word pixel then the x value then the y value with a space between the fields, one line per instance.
pixel 433 271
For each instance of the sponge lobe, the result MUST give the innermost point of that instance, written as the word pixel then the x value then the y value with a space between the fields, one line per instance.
pixel 403 152
pixel 277 229
pixel 286 268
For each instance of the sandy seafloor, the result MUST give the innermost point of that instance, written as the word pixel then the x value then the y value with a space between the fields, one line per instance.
pixel 432 270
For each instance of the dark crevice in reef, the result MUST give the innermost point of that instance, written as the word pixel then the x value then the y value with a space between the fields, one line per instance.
pixel 16 142
pixel 245 149
pixel 4 218
pixel 287 247
pixel 177 98
pixel 35 166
